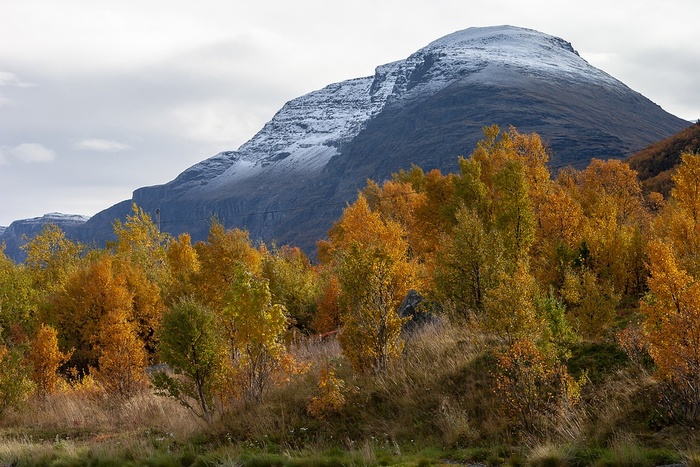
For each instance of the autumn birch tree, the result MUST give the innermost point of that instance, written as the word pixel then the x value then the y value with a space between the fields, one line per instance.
pixel 371 261
pixel 45 358
pixel 18 299
pixel 672 329
pixel 191 345
pixel 122 358
pixel 254 327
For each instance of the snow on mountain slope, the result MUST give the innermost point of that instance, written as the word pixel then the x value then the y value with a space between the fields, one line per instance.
pixel 507 46
pixel 57 218
pixel 308 131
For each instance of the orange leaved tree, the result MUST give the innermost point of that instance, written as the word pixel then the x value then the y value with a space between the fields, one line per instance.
pixel 122 356
pixel 370 257
pixel 535 389
pixel 45 358
pixel 672 330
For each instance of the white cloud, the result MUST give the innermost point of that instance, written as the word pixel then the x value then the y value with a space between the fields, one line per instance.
pixel 101 145
pixel 27 153
pixel 10 79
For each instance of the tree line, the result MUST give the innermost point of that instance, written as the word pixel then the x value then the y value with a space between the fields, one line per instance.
pixel 533 260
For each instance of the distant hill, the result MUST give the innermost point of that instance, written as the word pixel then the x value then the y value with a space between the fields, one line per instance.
pixel 13 236
pixel 656 163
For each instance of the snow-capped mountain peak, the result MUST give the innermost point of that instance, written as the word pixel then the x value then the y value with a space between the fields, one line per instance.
pixel 308 131
pixel 493 54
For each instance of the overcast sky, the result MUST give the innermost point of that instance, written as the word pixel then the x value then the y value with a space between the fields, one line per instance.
pixel 98 98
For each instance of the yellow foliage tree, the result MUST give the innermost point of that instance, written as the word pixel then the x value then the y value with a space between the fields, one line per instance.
pixel 140 241
pixel 610 196
pixel 502 182
pixel 559 234
pixel 90 294
pixel 434 213
pixel 184 265
pixel 330 399
pixel 510 308
pixel 672 329
pixel 686 190
pixel 122 357
pixel 499 149
pixel 468 264
pixel 560 217
pixel 254 327
pixel 146 304
pixel 513 210
pixel 399 201
pixel 611 186
pixel 370 258
pixel 140 256
pixel 222 257
pixel 327 317
pixel 679 220
pixel 45 358
pixel 18 299
pixel 15 386
pixel 394 200
pixel 590 302
pixel 51 258
pixel 292 283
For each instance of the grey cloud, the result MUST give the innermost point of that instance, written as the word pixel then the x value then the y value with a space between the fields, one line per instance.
pixel 100 145
pixel 666 74
pixel 11 79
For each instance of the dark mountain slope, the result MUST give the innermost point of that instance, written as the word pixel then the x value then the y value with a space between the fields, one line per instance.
pixel 656 163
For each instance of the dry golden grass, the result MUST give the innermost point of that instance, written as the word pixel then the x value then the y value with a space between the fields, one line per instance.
pixel 550 454
pixel 617 404
pixel 78 412
pixel 79 422
pixel 440 392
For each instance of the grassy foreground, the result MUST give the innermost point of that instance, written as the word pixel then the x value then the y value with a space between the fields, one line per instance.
pixel 435 406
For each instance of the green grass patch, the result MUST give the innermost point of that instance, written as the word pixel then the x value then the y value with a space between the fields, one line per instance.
pixel 596 359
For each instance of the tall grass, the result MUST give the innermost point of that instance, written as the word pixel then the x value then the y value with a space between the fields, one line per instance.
pixel 73 413
pixel 438 395
pixel 437 392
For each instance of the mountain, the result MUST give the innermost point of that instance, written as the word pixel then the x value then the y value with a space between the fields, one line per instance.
pixel 293 178
pixel 14 235
pixel 656 163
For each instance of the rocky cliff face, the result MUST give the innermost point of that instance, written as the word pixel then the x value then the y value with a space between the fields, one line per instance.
pixel 293 178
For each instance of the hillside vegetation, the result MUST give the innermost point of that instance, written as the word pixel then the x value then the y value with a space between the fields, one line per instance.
pixel 553 320
pixel 656 163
